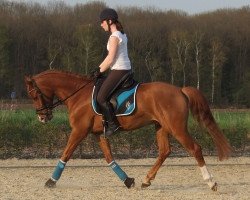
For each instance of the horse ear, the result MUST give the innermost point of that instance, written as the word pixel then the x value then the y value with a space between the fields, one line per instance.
pixel 28 80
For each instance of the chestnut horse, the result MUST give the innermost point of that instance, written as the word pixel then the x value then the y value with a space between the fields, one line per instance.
pixel 162 104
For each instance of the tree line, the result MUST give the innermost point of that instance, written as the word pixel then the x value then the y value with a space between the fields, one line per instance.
pixel 209 51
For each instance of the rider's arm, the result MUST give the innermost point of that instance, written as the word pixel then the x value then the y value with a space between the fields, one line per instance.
pixel 113 46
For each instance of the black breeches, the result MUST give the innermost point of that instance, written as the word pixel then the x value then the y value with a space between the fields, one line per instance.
pixel 109 85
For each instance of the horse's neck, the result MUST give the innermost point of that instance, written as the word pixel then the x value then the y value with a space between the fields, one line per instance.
pixel 66 88
pixel 63 85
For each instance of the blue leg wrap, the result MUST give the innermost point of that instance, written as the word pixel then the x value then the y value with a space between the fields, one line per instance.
pixel 119 172
pixel 58 170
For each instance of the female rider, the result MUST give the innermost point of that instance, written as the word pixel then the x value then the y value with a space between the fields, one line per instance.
pixel 117 60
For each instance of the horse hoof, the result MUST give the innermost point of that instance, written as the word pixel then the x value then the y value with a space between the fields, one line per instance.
pixel 145 185
pixel 129 182
pixel 214 187
pixel 50 183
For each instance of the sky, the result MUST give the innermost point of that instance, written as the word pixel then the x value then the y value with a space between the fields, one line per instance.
pixel 189 6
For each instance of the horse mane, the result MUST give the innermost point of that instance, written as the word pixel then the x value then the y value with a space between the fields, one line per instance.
pixel 61 72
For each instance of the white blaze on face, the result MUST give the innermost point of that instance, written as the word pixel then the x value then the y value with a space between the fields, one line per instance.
pixel 41 119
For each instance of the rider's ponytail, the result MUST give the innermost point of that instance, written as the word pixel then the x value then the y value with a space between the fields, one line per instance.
pixel 119 26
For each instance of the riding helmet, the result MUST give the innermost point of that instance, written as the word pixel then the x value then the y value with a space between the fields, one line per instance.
pixel 108 14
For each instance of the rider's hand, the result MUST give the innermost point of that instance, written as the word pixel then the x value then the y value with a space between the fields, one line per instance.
pixel 96 73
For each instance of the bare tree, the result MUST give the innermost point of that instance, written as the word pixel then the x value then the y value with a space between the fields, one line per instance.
pixel 148 65
pixel 53 50
pixel 68 58
pixel 180 44
pixel 198 36
pixel 173 70
pixel 217 60
pixel 87 47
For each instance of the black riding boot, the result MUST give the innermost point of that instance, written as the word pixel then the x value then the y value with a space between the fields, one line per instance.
pixel 111 124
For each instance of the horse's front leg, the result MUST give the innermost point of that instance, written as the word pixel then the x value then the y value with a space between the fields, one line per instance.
pixel 105 146
pixel 75 138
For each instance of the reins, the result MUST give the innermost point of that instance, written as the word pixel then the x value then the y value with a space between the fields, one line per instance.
pixel 59 101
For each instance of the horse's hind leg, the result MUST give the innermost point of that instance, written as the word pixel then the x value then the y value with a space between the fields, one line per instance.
pixel 195 150
pixel 105 146
pixel 164 151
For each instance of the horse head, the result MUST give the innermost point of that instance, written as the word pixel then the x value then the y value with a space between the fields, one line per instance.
pixel 42 100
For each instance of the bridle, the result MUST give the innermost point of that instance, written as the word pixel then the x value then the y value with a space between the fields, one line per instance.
pixel 47 102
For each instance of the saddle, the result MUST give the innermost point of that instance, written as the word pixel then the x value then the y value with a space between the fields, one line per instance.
pixel 122 97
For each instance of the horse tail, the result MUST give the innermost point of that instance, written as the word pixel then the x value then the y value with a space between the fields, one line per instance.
pixel 202 113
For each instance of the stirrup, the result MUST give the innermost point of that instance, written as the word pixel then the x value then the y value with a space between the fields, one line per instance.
pixel 110 130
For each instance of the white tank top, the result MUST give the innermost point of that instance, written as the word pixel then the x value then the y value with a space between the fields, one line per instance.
pixel 121 61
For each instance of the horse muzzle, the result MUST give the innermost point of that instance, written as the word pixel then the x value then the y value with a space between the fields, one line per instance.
pixel 44 118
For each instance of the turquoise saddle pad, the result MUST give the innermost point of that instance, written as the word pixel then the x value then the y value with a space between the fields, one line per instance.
pixel 123 101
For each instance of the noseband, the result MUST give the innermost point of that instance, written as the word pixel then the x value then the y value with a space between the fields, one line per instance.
pixel 44 99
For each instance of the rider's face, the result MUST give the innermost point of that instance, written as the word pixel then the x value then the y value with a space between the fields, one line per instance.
pixel 104 25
